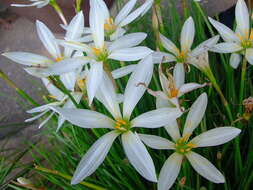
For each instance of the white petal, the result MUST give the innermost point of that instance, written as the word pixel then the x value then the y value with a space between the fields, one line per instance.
pixel 74 31
pixel 216 136
pixel 190 87
pixel 37 116
pixel 173 130
pixel 170 171
pixel 226 47
pixel 106 94
pixel 60 122
pixel 125 11
pixel 69 80
pixel 123 71
pixel 94 79
pixel 76 46
pixel 85 118
pixel 53 90
pixel 235 60
pixel 118 33
pixel 103 8
pixel 130 54
pixel 205 168
pixel 187 35
pixel 205 46
pixel 179 75
pixel 46 120
pixel 26 5
pixel 156 118
pixel 42 108
pixel 242 18
pixel 138 156
pixel 94 157
pixel 162 103
pixel 97 23
pixel 161 57
pixel 249 55
pixel 226 33
pixel 133 93
pixel 48 39
pixel 127 41
pixel 26 58
pixel 195 114
pixel 140 11
pixel 169 45
pixel 156 142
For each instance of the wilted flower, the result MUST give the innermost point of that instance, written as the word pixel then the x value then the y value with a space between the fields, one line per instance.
pixel 120 124
pixel 238 42
pixel 183 146
pixel 37 3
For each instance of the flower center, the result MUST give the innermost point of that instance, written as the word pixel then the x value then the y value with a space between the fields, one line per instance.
pixel 109 26
pixel 122 125
pixel 182 145
pixel 101 54
pixel 58 59
pixel 174 93
pixel 181 58
pixel 246 44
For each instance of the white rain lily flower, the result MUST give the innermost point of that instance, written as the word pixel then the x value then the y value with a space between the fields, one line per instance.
pixel 182 55
pixel 183 146
pixel 121 124
pixel 114 28
pixel 239 42
pixel 37 3
pixel 123 49
pixel 61 63
pixel 61 100
pixel 173 87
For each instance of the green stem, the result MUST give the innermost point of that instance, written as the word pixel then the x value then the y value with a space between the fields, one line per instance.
pixel 55 172
pixel 242 84
pixel 211 77
pixel 78 5
pixel 58 10
pixel 20 92
pixel 108 70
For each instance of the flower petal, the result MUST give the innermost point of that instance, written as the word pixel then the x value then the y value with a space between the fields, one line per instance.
pixel 173 130
pixel 130 54
pixel 156 142
pixel 106 94
pixel 205 168
pixel 169 45
pixel 127 41
pixel 156 118
pixel 138 156
pixel 53 90
pixel 235 60
pixel 226 47
pixel 140 11
pixel 125 11
pixel 97 21
pixel 216 136
pixel 75 45
pixel 242 18
pixel 162 103
pixel 161 57
pixel 170 171
pixel 195 114
pixel 69 80
pixel 226 33
pixel 103 8
pixel 179 75
pixel 94 79
pixel 187 35
pixel 133 93
pixel 123 71
pixel 190 87
pixel 94 157
pixel 205 46
pixel 249 55
pixel 85 118
pixel 29 59
pixel 48 39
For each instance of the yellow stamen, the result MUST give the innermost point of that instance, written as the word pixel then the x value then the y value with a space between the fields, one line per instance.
pixel 51 96
pixel 59 59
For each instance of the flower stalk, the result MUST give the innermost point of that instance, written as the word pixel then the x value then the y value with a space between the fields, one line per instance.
pixel 57 8
pixel 242 84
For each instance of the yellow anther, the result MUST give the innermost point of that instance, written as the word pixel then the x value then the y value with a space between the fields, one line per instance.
pixel 191 145
pixel 188 149
pixel 81 83
pixel 174 93
pixel 182 150
pixel 251 34
pixel 109 26
pixel 51 96
pixel 59 59
pixel 96 51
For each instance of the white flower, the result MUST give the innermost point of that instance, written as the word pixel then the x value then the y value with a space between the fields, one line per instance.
pixel 61 63
pixel 121 124
pixel 37 3
pixel 182 55
pixel 114 27
pixel 61 100
pixel 238 42
pixel 183 146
